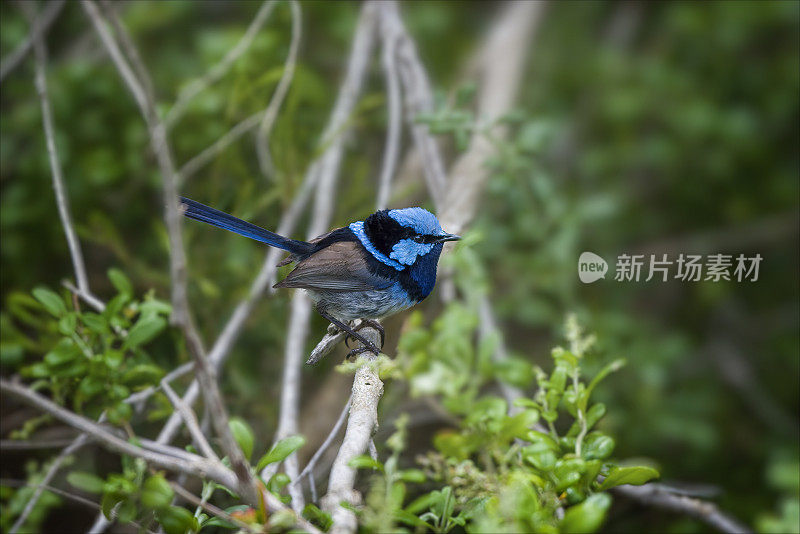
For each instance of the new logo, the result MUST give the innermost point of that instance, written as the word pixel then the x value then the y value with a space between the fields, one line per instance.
pixel 591 267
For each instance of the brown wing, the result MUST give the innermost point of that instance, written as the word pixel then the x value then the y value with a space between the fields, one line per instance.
pixel 338 267
pixel 291 258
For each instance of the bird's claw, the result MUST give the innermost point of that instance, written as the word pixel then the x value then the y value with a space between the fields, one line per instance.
pixel 372 324
pixel 360 350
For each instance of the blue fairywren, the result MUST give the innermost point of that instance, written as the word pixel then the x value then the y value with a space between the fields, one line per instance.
pixel 367 270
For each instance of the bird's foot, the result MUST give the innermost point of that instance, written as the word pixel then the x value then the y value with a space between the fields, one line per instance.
pixel 360 350
pixel 367 323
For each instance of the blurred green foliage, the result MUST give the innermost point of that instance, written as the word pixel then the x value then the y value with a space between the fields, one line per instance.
pixel 653 127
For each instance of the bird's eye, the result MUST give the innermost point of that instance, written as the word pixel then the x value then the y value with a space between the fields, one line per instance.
pixel 419 238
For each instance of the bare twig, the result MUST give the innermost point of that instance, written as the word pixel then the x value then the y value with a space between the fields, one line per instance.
pixel 309 468
pixel 329 341
pixel 25 444
pixel 43 23
pixel 61 493
pixel 233 327
pixel 394 113
pixel 79 442
pixel 178 462
pixel 181 317
pixel 40 52
pixel 130 48
pixel 191 167
pixel 504 52
pixel 87 296
pixel 271 113
pixel 361 424
pixel 55 165
pixel 418 98
pixel 708 513
pixel 190 419
pixel 210 508
pixel 220 69
pixel 326 167
pixel 169 458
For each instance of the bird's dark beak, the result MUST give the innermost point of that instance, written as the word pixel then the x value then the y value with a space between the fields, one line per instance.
pixel 448 237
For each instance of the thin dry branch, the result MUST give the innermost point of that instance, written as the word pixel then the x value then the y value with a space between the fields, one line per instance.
pixel 133 53
pixel 658 497
pixel 418 98
pixel 361 425
pixel 73 243
pixel 309 468
pixel 220 69
pixel 208 154
pixel 169 458
pixel 179 461
pixel 79 442
pixel 190 419
pixel 181 316
pixel 502 65
pixel 326 168
pixel 394 107
pixel 43 23
pixel 271 113
pixel 211 509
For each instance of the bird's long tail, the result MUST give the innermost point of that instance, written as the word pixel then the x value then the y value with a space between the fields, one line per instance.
pixel 201 212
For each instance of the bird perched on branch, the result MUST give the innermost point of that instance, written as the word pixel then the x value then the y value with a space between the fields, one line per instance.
pixel 367 270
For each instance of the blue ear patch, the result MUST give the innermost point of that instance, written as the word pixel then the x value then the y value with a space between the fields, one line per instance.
pixel 406 251
pixel 420 220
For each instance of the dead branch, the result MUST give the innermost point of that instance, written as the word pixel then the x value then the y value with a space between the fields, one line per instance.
pixel 169 458
pixel 220 69
pixel 55 165
pixel 43 23
pixel 361 425
pixel 418 98
pixel 271 113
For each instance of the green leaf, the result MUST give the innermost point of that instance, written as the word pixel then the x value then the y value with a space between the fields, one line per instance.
pixel 518 426
pixel 142 374
pixel 487 409
pixel 605 371
pixel 365 462
pixel 514 371
pixel 318 517
pixel 598 446
pixel 636 476
pixel 281 450
pixel 412 475
pixel 67 323
pixel 51 301
pixel 145 329
pixel 113 358
pixel 587 516
pixel 593 415
pixel 452 444
pixel 177 520
pixel 95 322
pixel 64 352
pixel 87 482
pixel 120 281
pixel 127 511
pixel 156 492
pixel 119 412
pixel 243 436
